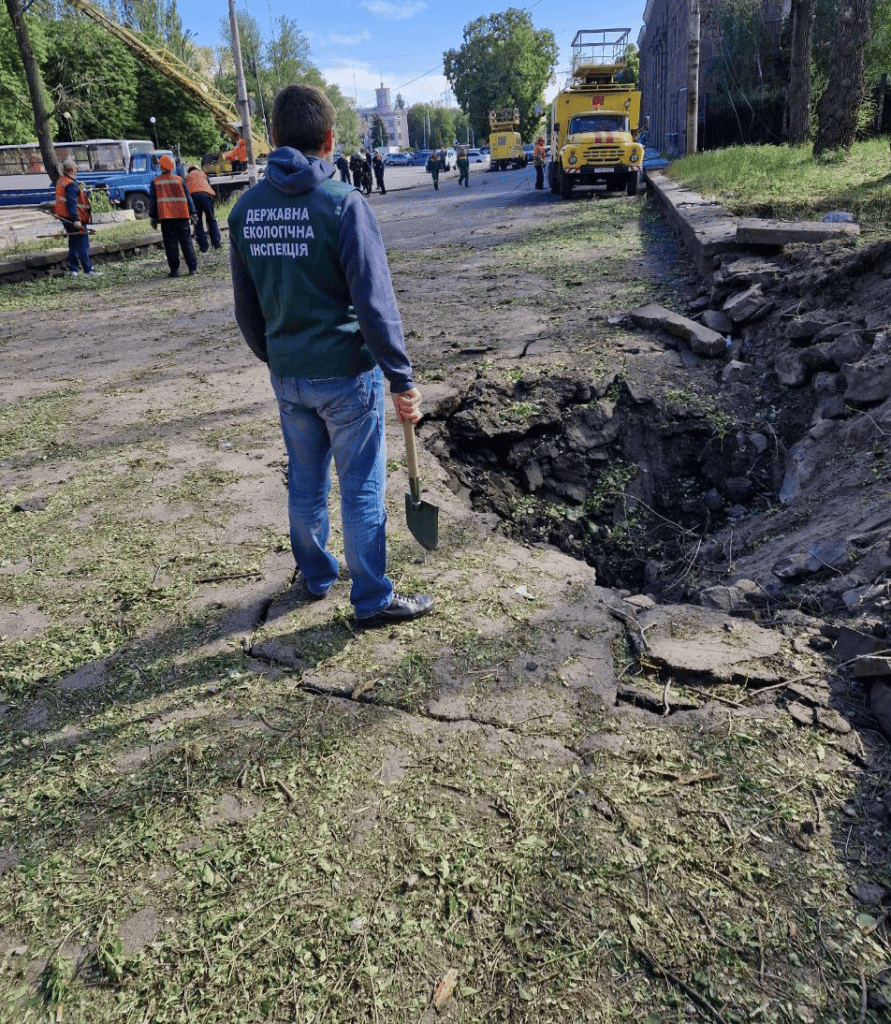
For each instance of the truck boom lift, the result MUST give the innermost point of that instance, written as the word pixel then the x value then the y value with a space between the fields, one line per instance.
pixel 165 63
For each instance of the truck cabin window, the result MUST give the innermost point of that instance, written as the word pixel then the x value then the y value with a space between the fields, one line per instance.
pixel 598 123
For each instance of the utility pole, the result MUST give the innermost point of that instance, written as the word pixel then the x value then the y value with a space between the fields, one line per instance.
pixel 243 107
pixel 693 78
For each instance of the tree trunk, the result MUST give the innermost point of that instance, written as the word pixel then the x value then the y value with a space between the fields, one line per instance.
pixel 35 88
pixel 803 13
pixel 840 103
pixel 692 79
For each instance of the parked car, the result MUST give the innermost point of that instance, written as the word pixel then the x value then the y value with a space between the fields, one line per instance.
pixel 485 150
pixel 451 157
pixel 474 156
pixel 529 149
pixel 419 158
pixel 397 160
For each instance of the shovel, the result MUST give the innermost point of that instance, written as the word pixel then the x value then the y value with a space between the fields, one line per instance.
pixel 421 517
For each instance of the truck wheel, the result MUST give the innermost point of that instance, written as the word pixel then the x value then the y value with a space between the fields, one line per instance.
pixel 138 202
pixel 553 183
pixel 631 185
pixel 565 186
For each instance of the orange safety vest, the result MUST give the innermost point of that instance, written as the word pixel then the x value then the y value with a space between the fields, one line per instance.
pixel 196 181
pixel 171 196
pixel 239 153
pixel 84 210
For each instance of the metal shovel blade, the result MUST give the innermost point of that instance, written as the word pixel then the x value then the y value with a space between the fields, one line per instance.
pixel 421 517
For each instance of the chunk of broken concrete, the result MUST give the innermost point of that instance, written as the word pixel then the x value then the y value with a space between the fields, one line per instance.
pixel 760 231
pixel 790 368
pixel 869 666
pixel 736 372
pixel 703 341
pixel 880 705
pixel 710 646
pixel 744 307
pixel 715 320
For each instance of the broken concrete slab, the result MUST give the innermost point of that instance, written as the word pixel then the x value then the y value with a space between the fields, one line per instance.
pixel 880 705
pixel 758 231
pixel 715 320
pixel 703 225
pixel 711 646
pixel 703 340
pixel 736 372
pixel 749 305
pixel 870 666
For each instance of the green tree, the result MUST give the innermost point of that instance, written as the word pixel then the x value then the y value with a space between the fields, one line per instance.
pixel 631 74
pixel 379 136
pixel 16 112
pixel 158 21
pixel 288 54
pixel 93 78
pixel 40 107
pixel 503 62
pixel 461 127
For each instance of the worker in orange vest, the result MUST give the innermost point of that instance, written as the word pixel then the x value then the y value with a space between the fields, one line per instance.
pixel 204 197
pixel 74 210
pixel 237 156
pixel 171 204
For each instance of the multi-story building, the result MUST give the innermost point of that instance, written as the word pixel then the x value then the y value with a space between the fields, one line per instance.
pixel 664 54
pixel 395 119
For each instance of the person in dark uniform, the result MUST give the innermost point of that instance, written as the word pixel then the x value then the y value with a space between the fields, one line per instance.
pixel 367 174
pixel 344 169
pixel 356 163
pixel 378 164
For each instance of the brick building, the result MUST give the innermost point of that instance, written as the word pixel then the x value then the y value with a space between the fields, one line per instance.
pixel 664 50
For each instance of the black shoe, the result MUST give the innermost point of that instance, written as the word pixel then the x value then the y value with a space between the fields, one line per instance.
pixel 173 273
pixel 193 271
pixel 402 608
pixel 301 591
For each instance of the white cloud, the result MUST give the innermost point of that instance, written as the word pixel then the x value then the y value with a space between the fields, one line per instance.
pixel 351 40
pixel 395 12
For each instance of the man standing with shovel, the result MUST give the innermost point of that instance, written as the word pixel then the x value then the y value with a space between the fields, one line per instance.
pixel 314 299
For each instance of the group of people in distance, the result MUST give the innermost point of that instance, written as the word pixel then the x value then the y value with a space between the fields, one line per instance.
pixel 358 171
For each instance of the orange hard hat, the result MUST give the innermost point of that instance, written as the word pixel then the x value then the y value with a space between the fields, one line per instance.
pixel 167 163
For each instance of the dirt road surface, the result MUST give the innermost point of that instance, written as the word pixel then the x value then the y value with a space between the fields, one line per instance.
pixel 221 803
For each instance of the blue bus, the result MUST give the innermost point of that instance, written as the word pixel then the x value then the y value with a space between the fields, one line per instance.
pixel 23 178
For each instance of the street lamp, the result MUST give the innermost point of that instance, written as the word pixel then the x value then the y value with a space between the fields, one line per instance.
pixel 154 132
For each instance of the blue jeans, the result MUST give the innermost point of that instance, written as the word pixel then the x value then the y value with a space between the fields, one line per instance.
pixel 79 250
pixel 340 418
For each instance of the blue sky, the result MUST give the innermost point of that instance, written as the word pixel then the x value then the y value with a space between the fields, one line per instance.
pixel 401 42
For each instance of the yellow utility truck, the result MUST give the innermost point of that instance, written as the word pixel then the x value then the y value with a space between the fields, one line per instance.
pixel 595 118
pixel 505 141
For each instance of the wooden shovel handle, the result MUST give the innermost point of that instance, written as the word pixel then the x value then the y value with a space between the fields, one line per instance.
pixel 411 457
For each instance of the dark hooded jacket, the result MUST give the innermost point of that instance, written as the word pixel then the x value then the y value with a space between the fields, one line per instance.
pixel 313 295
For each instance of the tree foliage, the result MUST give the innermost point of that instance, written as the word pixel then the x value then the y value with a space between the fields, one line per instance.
pixel 270 65
pixel 503 62
pixel 109 93
pixel 432 127
pixel 94 79
pixel 16 112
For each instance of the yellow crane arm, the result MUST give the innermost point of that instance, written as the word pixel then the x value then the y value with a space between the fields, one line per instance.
pixel 165 63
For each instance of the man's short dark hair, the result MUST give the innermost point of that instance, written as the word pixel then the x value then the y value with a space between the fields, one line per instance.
pixel 301 117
